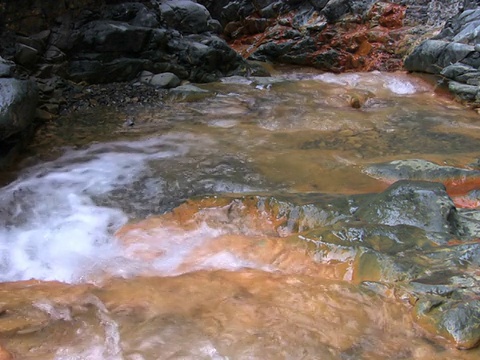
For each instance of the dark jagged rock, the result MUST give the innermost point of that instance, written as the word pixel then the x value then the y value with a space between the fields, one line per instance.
pixel 109 43
pixel 333 35
pixel 453 54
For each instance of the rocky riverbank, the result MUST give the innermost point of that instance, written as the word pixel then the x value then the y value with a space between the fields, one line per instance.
pixel 454 54
pixel 66 46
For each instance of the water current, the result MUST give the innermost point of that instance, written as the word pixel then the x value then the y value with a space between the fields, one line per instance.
pixel 99 259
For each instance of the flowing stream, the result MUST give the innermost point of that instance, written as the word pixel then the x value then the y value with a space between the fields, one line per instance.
pixel 94 263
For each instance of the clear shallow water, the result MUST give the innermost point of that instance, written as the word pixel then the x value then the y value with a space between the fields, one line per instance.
pixel 207 284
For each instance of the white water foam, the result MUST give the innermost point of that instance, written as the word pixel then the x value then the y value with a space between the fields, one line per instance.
pixel 51 228
pixel 171 251
pixel 395 83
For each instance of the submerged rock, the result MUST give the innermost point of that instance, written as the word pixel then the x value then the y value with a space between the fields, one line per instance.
pixel 458 321
pixel 189 92
pixel 458 181
pixel 408 241
pixel 422 204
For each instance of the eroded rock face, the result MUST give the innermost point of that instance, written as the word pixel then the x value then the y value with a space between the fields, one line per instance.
pixel 454 54
pixel 333 35
pixel 114 41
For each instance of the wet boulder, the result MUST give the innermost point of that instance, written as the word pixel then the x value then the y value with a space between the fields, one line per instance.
pixel 464 91
pixel 456 320
pixel 432 56
pixel 422 204
pixel 17 105
pixel 462 73
pixel 18 101
pixel 6 68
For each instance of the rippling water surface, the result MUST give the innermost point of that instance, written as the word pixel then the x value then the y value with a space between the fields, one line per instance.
pixel 95 265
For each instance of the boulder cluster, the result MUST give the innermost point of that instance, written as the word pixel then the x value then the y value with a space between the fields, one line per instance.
pixel 115 42
pixel 335 35
pixel 454 54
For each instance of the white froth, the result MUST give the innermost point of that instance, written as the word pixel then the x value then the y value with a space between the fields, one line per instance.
pixel 351 80
pixel 376 81
pixel 401 86
pixel 51 227
pixel 228 261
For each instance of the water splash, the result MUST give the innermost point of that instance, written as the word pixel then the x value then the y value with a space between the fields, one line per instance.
pixel 52 229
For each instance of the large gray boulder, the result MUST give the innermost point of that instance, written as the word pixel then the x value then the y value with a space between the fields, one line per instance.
pixel 432 56
pixel 187 16
pixel 454 54
pixel 18 100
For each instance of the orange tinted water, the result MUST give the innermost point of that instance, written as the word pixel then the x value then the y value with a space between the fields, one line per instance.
pixel 215 281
